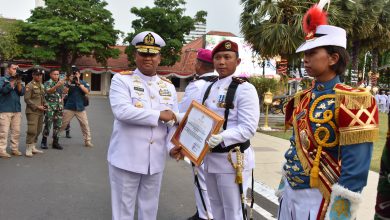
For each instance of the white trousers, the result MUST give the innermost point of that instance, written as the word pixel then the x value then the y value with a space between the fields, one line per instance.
pixel 299 204
pixel 127 188
pixel 199 205
pixel 224 194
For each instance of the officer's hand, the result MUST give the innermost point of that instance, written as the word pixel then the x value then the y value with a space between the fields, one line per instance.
pixel 166 115
pixel 176 153
pixel 214 140
pixel 41 108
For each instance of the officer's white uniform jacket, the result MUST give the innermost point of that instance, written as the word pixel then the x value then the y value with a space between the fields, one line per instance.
pixel 139 140
pixel 194 92
pixel 242 123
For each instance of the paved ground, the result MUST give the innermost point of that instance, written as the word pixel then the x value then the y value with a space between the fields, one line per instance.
pixel 73 183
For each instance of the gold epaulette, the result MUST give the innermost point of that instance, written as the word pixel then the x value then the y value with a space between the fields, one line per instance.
pixel 352 98
pixel 165 79
pixel 298 95
pixel 126 72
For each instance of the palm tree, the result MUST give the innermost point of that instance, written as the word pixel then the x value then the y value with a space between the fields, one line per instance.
pixel 273 27
pixel 360 23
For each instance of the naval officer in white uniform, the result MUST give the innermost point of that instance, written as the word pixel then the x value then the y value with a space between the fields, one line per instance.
pixel 242 122
pixel 205 74
pixel 141 103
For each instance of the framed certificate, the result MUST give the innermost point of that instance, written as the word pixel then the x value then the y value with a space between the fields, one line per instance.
pixel 197 125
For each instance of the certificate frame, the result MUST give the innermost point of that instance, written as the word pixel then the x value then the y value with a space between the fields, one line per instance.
pixel 217 124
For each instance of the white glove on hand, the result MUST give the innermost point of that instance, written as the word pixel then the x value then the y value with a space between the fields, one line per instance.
pixel 178 116
pixel 214 140
pixel 170 123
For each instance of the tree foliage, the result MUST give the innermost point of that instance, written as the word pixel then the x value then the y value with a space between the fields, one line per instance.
pixel 68 29
pixel 167 19
pixel 9 46
pixel 275 27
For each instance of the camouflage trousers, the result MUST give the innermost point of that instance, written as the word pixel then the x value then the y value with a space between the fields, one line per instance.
pixel 53 117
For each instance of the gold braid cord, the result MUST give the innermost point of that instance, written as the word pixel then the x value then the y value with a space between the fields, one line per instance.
pixel 324 133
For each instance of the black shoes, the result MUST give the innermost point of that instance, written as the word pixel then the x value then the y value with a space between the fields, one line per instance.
pixel 196 217
pixel 44 143
pixel 68 134
pixel 56 145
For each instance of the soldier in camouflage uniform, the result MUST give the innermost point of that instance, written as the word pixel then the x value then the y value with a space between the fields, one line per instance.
pixel 54 89
pixel 35 108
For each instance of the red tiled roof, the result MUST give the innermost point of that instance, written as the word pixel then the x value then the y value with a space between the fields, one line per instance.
pixel 186 66
pixel 220 33
pixel 183 68
pixel 118 63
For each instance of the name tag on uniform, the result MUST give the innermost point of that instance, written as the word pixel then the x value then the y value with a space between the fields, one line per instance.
pixel 139 89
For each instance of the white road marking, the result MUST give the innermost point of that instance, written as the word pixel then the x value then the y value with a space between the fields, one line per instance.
pixel 265 191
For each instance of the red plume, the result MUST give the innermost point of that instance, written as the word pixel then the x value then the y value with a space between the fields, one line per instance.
pixel 313 18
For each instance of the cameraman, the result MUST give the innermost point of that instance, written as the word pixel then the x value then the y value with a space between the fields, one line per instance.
pixel 74 106
pixel 11 88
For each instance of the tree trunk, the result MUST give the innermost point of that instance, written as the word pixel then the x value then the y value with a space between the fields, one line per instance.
pixel 374 60
pixel 355 59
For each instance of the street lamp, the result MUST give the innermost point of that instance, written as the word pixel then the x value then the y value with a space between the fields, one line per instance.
pixel 261 63
pixel 267 101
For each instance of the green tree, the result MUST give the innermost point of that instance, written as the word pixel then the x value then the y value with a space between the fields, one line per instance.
pixel 68 29
pixel 168 20
pixel 9 46
pixel 275 27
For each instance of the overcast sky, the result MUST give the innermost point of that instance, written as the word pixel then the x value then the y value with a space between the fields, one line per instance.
pixel 222 15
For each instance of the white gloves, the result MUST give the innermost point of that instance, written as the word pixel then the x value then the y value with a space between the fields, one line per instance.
pixel 214 140
pixel 179 116
pixel 170 123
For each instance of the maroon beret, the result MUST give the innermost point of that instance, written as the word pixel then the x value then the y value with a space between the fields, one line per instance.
pixel 226 45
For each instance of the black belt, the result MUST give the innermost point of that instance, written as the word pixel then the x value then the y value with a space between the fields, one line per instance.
pixel 220 149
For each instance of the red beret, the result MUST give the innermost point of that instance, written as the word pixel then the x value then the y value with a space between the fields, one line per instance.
pixel 205 55
pixel 226 45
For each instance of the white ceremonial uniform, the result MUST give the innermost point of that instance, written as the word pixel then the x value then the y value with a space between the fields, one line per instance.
pixel 194 92
pixel 138 146
pixel 382 102
pixel 242 124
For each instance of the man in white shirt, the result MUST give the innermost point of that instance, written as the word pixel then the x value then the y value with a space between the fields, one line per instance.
pixel 142 103
pixel 204 76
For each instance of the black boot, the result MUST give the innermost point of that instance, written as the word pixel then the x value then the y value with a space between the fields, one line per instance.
pixel 56 145
pixel 68 134
pixel 44 143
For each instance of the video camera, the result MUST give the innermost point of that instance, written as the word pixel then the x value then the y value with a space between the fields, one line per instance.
pixel 20 74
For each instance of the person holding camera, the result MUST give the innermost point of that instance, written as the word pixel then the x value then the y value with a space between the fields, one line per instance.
pixel 54 88
pixel 35 108
pixel 68 81
pixel 11 88
pixel 75 105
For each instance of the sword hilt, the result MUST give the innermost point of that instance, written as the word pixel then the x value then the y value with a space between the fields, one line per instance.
pixel 239 165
